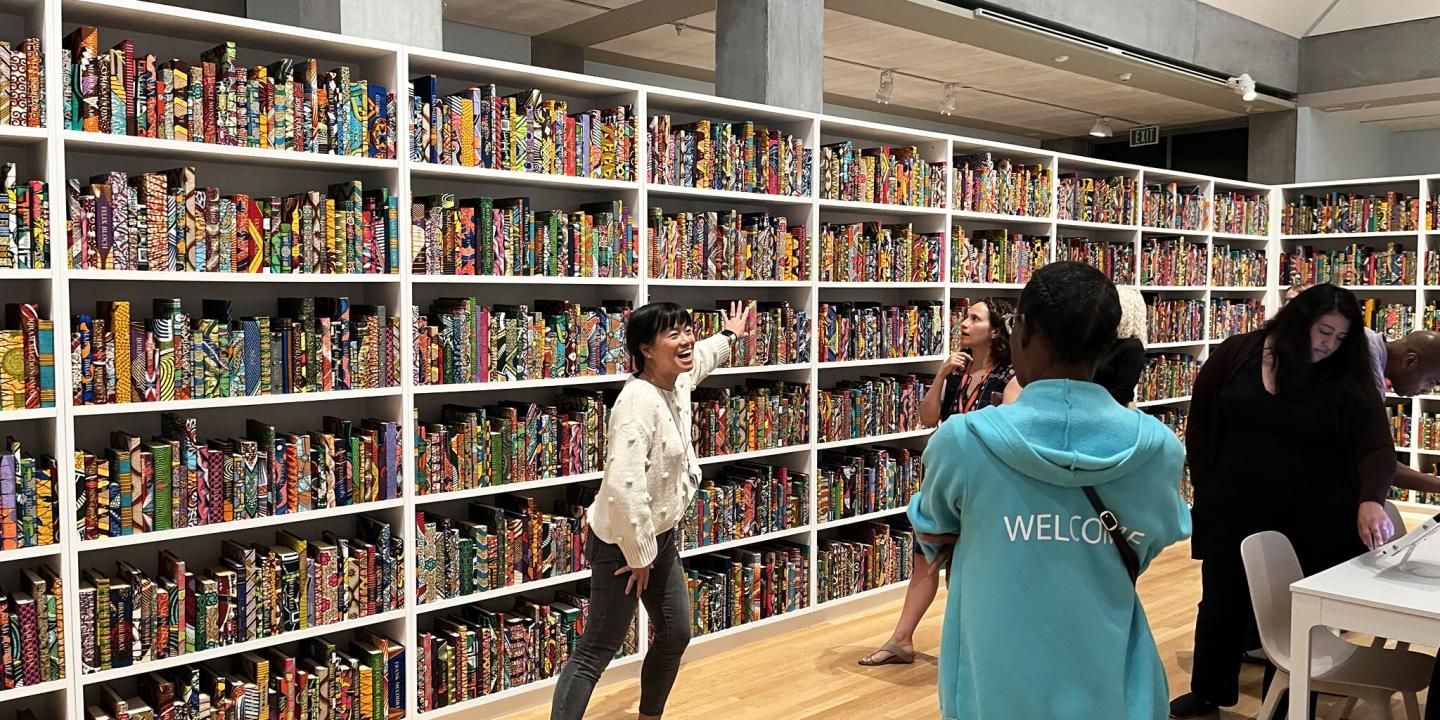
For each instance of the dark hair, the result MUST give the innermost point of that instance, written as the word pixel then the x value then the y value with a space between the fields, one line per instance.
pixel 1000 344
pixel 1348 368
pixel 651 320
pixel 1075 306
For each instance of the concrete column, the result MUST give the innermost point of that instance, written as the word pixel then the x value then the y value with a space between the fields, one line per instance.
pixel 1272 148
pixel 413 22
pixel 557 56
pixel 771 52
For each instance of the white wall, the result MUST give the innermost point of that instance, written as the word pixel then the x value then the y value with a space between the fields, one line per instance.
pixel 1329 146
pixel 1415 153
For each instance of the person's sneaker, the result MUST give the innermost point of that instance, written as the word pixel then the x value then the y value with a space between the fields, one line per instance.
pixel 1191 705
pixel 1255 657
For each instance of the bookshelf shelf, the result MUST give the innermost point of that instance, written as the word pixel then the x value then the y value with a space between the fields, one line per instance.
pixel 1086 225
pixel 833 364
pixel 753 454
pixel 888 437
pixel 853 206
pixel 524 179
pixel 471 493
pixel 1171 288
pixel 987 286
pixel 92 142
pixel 20 135
pixel 148 276
pixel 507 591
pixel 32 414
pixel 656 190
pixel 30 553
pixel 742 542
pixel 965 215
pixel 521 280
pixel 1239 236
pixel 469 706
pixel 1152 230
pixel 754 369
pixel 667 282
pixel 25 691
pixel 1238 288
pixel 506 385
pixel 1177 344
pixel 246 401
pixel 161 536
pixel 26 274
pixel 1380 288
pixel 845 285
pixel 864 594
pixel 866 517
pixel 1351 236
pixel 238 648
pixel 1164 401
pixel 719 635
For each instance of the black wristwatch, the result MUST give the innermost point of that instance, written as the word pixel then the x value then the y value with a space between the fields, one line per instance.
pixel 727 332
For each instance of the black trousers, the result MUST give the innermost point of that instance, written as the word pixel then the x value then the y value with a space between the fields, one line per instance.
pixel 1432 702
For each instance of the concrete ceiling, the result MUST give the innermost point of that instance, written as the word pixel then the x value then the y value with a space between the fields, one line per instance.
pixel 527 17
pixel 1303 18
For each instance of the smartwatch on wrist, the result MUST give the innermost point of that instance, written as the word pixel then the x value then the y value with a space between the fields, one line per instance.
pixel 729 334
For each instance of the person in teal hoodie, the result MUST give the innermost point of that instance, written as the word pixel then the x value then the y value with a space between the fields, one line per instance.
pixel 1042 619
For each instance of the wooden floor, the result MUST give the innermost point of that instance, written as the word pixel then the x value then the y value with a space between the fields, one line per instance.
pixel 811 673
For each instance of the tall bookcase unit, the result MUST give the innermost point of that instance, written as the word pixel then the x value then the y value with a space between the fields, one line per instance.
pixel 57 154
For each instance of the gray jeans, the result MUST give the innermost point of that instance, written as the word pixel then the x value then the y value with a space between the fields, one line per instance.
pixel 667 603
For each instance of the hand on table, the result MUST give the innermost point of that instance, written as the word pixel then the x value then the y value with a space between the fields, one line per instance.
pixel 1374 524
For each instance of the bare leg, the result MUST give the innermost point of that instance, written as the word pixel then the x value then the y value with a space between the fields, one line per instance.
pixel 920 592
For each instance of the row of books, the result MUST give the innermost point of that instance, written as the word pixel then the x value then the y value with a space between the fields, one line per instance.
pixel 746 585
pixel 461 341
pixel 503 544
pixel 1354 264
pixel 1177 207
pixel 781 334
pixel 1175 320
pixel 1393 320
pixel 1173 418
pixel 28 498
pixel 1339 212
pixel 760 415
pixel 1429 498
pixel 1172 261
pixel 32 629
pixel 1232 316
pixel 983 183
pixel 1399 418
pixel 310 345
pixel 318 678
pixel 165 222
pixel 481 651
pixel 730 156
pixel 472 447
pixel 1429 436
pixel 252 591
pixel 1167 376
pixel 959 310
pixel 870 406
pixel 176 481
pixel 27 358
pixel 286 105
pixel 1242 213
pixel 856 481
pixel 507 237
pixel 872 252
pixel 884 174
pixel 1103 200
pixel 1237 266
pixel 995 255
pixel 1432 268
pixel 866 556
pixel 22 83
pixel 520 132
pixel 1115 259
pixel 744 500
pixel 727 245
pixel 870 330
pixel 24 216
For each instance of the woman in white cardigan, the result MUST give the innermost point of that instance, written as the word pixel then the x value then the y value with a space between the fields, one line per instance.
pixel 651 473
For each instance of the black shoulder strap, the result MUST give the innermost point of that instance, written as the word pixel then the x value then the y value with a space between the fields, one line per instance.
pixel 1112 525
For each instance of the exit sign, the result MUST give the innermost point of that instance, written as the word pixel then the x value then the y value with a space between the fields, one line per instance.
pixel 1147 135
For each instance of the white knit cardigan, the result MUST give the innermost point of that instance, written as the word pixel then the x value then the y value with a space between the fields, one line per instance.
pixel 651 468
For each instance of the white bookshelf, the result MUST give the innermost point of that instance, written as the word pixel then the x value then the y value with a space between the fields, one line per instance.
pixel 48 152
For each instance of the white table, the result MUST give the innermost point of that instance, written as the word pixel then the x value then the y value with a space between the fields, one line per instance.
pixel 1369 594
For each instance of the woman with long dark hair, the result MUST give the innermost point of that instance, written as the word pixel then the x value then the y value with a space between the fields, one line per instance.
pixel 978 376
pixel 1282 417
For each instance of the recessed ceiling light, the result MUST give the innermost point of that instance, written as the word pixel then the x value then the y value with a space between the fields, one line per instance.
pixel 1061 58
pixel 1124 77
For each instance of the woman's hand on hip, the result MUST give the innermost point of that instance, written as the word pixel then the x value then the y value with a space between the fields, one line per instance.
pixel 1374 524
pixel 639 578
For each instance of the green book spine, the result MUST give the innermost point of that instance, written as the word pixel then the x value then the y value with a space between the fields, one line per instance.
pixel 164 492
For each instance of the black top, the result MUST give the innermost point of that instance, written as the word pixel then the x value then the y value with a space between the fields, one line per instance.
pixel 960 397
pixel 1120 368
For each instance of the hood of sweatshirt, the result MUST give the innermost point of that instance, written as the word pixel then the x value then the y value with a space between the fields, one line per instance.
pixel 1070 434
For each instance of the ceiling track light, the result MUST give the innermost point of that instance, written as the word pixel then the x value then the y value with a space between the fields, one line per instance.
pixel 679 26
pixel 886 89
pixel 1101 128
pixel 947 102
pixel 1244 85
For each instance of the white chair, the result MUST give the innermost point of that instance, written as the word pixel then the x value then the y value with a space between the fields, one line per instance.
pixel 1338 667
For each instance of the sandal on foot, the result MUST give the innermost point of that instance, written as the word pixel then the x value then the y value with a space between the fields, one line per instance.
pixel 895 656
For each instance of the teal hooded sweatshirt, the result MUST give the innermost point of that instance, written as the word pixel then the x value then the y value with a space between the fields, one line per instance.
pixel 1041 620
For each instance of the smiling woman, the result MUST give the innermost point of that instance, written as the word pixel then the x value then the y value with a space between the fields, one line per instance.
pixel 650 478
